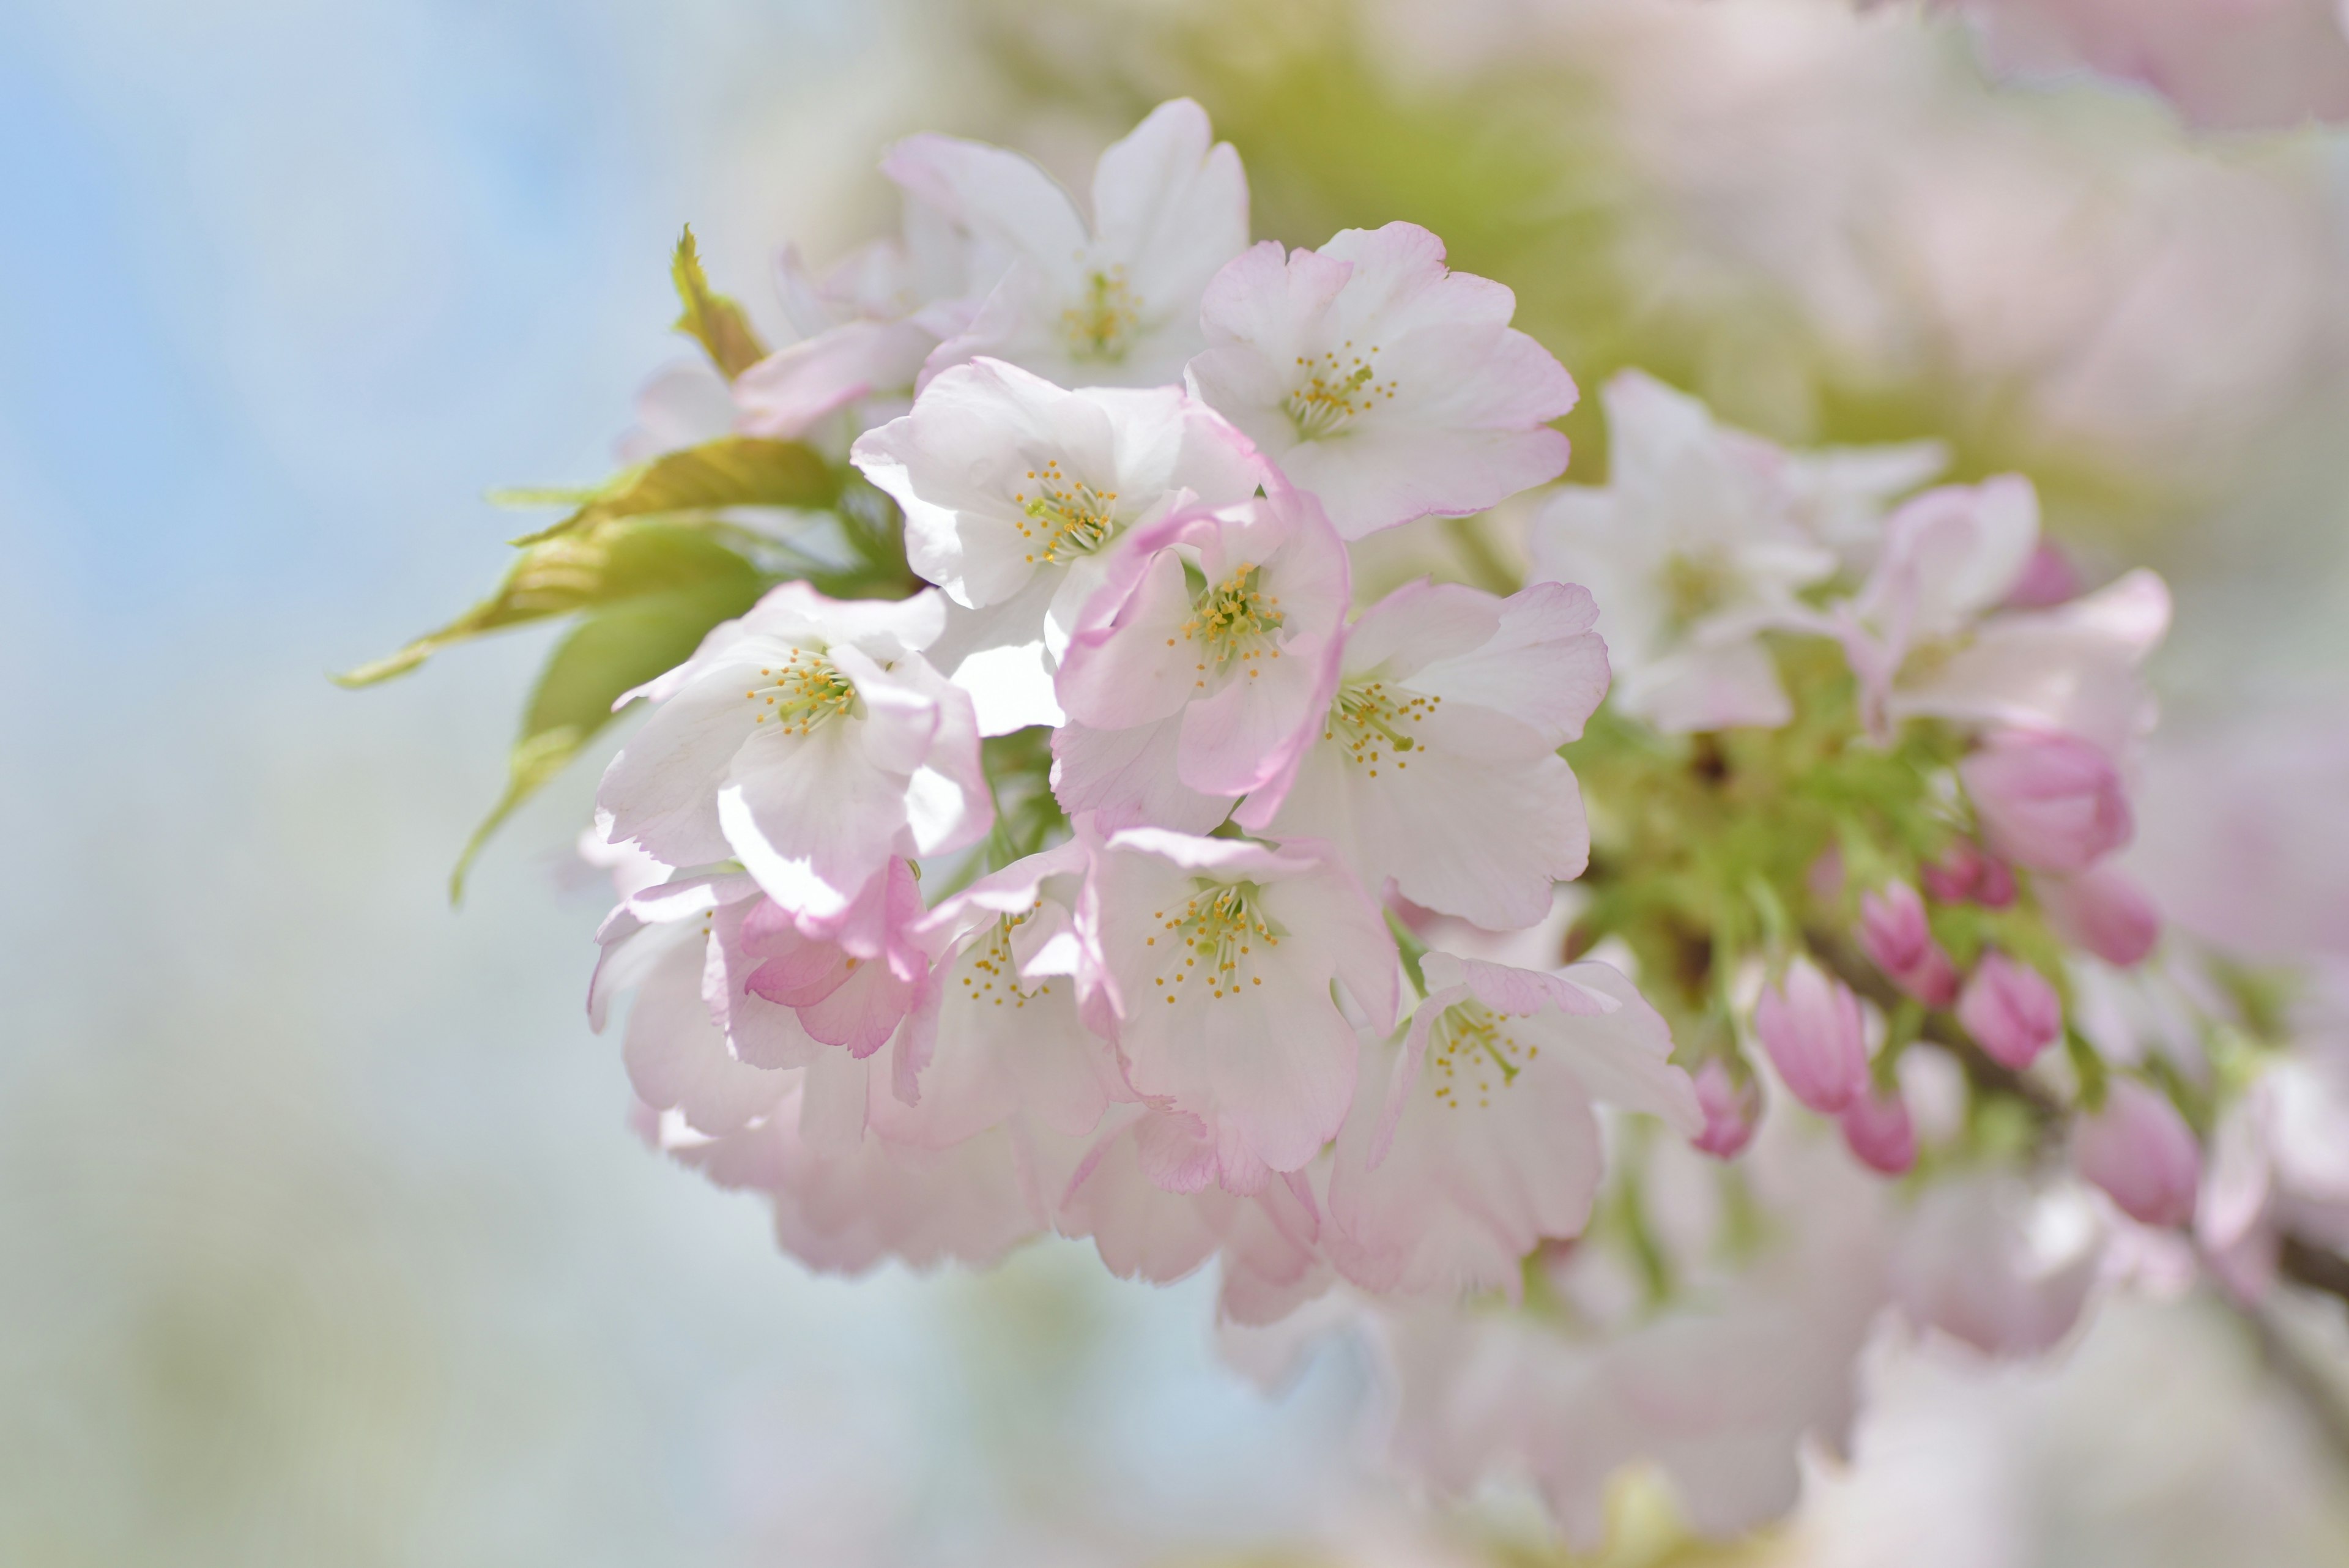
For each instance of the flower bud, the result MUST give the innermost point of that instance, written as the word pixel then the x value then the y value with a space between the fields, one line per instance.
pixel 1893 933
pixel 1965 872
pixel 1810 1025
pixel 1731 1110
pixel 2102 910
pixel 2011 1011
pixel 2051 801
pixel 1876 1128
pixel 2142 1153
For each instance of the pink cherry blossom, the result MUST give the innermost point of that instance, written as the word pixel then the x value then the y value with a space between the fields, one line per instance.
pixel 2011 1010
pixel 1732 1109
pixel 2051 801
pixel 1004 1031
pixel 1964 872
pixel 851 978
pixel 1386 384
pixel 810 741
pixel 1894 934
pixel 2102 910
pixel 1213 646
pixel 676 1045
pixel 1218 956
pixel 1437 765
pixel 1479 1140
pixel 2142 1153
pixel 1878 1132
pixel 2048 578
pixel 1112 302
pixel 1810 1024
pixel 1014 493
pixel 1692 551
pixel 848 1209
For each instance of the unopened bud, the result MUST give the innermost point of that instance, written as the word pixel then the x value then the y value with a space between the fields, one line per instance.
pixel 2102 910
pixel 1730 1110
pixel 1876 1128
pixel 2051 801
pixel 1811 1027
pixel 1894 934
pixel 2011 1011
pixel 2142 1153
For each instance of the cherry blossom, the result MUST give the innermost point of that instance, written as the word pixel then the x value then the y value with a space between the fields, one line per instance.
pixel 2051 801
pixel 1437 765
pixel 1015 493
pixel 809 739
pixel 1218 956
pixel 2011 1010
pixel 2142 1153
pixel 1894 934
pixel 1810 1024
pixel 1204 665
pixel 1110 302
pixel 1388 385
pixel 1480 1140
pixel 1692 551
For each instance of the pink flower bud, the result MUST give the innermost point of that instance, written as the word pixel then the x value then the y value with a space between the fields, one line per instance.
pixel 2051 802
pixel 2102 910
pixel 1810 1026
pixel 1897 939
pixel 1877 1130
pixel 2048 578
pixel 1731 1110
pixel 1965 872
pixel 2011 1011
pixel 2142 1153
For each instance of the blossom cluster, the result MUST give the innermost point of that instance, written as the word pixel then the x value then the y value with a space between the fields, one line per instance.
pixel 1699 946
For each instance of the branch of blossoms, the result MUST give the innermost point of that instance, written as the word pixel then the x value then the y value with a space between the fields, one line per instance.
pixel 1615 995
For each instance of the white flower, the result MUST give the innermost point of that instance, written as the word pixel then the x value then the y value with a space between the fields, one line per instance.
pixel 1437 765
pixel 1114 302
pixel 1015 491
pixel 1692 551
pixel 810 741
pixel 1386 384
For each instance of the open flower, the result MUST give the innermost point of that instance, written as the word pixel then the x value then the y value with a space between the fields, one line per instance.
pixel 1388 385
pixel 1437 765
pixel 1015 491
pixel 1204 665
pixel 1004 1031
pixel 1692 551
pixel 1114 302
pixel 1218 957
pixel 1480 1140
pixel 810 741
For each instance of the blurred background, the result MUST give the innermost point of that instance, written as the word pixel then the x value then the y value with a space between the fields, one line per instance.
pixel 323 1237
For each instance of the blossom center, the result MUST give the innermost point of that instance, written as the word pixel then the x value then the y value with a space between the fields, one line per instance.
pixel 1694 587
pixel 1104 322
pixel 1469 1047
pixel 1066 517
pixel 1372 723
pixel 1217 931
pixel 1334 391
pixel 1231 622
pixel 802 692
pixel 991 974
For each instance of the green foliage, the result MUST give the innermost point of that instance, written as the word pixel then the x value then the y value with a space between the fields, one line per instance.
pixel 611 651
pixel 600 564
pixel 710 318
pixel 732 471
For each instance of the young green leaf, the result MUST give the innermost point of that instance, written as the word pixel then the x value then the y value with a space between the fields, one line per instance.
pixel 711 319
pixel 600 566
pixel 732 471
pixel 609 652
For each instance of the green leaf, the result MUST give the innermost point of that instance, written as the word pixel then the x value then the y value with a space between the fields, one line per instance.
pixel 714 321
pixel 611 651
pixel 600 566
pixel 732 471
